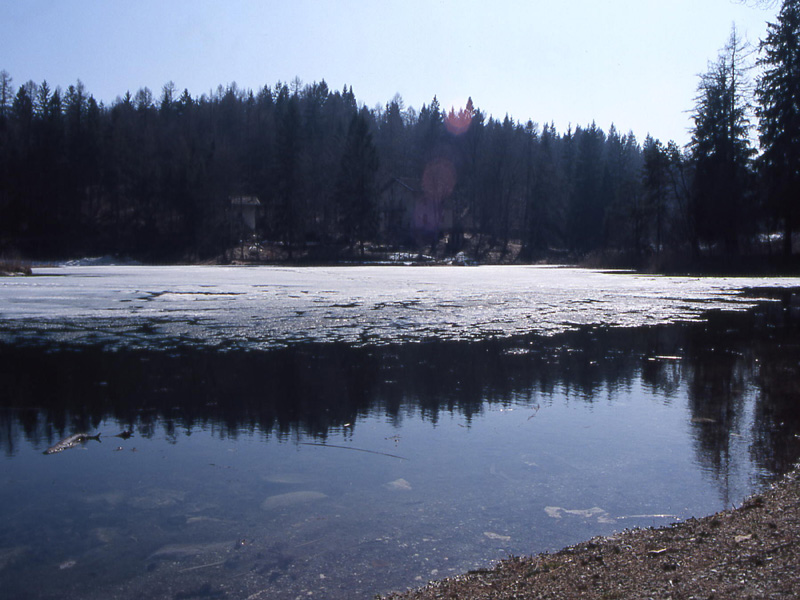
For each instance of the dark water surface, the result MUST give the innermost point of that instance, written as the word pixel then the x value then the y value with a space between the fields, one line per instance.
pixel 333 469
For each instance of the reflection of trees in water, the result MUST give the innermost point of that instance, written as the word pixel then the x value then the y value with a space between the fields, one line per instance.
pixel 310 390
pixel 719 370
pixel 734 357
pixel 777 411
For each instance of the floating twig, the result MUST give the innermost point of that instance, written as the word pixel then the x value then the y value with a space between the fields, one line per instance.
pixel 310 542
pixel 214 564
pixel 352 448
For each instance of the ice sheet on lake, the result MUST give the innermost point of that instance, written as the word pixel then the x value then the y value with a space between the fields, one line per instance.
pixel 602 516
pixel 398 485
pixel 262 307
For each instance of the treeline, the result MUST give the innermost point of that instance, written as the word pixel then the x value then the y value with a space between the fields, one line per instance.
pixel 154 176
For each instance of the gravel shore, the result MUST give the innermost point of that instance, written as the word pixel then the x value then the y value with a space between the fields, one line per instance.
pixel 747 552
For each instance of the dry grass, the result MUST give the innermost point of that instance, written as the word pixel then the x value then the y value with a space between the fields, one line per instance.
pixel 10 266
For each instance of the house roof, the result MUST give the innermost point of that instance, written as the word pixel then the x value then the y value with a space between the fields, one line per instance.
pixel 402 183
pixel 245 201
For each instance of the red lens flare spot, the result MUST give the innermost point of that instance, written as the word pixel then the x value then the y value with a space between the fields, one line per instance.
pixel 458 123
pixel 438 181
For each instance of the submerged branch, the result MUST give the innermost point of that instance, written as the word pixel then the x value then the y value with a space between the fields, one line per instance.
pixel 352 448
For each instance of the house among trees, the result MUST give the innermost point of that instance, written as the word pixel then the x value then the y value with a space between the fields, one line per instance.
pixel 408 216
pixel 243 213
pixel 396 204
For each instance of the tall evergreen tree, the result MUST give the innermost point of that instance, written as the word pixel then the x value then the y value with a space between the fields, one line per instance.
pixel 550 190
pixel 468 188
pixel 656 185
pixel 289 199
pixel 533 217
pixel 778 110
pixel 721 149
pixel 627 224
pixel 6 94
pixel 587 210
pixel 430 133
pixel 356 189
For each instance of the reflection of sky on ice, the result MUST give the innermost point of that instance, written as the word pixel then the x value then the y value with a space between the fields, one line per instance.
pixel 271 306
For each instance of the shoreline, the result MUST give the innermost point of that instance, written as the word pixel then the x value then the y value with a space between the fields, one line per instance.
pixel 753 265
pixel 745 552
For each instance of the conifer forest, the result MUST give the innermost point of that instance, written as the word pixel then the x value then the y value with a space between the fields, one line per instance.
pixel 306 171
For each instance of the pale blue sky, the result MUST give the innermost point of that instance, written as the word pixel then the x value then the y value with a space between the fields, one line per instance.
pixel 631 62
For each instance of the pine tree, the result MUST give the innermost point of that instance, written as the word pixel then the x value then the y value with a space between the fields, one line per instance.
pixel 778 110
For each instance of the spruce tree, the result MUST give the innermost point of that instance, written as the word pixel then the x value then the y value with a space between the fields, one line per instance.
pixel 721 149
pixel 356 189
pixel 6 95
pixel 778 110
pixel 656 185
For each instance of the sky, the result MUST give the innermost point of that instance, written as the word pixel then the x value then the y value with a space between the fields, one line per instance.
pixel 633 63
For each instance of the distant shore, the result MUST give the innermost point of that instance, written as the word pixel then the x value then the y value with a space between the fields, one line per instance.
pixel 756 265
pixel 747 552
pixel 13 267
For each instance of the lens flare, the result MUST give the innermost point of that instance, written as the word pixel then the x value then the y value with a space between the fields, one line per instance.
pixel 438 181
pixel 458 123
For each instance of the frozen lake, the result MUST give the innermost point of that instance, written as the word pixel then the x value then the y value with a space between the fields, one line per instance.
pixel 267 307
pixel 344 432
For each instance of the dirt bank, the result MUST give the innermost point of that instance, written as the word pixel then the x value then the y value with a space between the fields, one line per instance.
pixel 748 552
